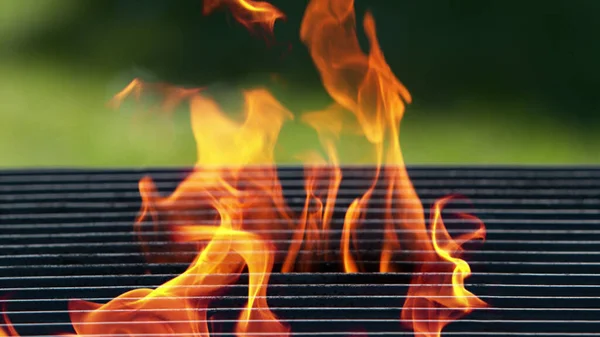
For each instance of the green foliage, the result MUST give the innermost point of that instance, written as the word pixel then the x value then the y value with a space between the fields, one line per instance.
pixel 492 83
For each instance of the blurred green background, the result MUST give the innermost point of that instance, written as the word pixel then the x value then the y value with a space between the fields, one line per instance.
pixel 512 82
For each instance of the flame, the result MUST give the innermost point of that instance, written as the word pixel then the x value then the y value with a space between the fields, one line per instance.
pixel 217 266
pixel 248 12
pixel 313 229
pixel 229 214
pixel 227 244
pixel 366 87
pixel 172 95
pixel 422 310
pixel 7 329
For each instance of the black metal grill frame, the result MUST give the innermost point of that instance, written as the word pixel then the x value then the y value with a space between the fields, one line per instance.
pixel 67 233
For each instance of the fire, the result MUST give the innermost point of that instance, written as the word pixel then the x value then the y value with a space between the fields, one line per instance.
pixel 173 95
pixel 224 236
pixel 366 86
pixel 248 12
pixel 424 301
pixel 232 212
pixel 8 330
pixel 179 306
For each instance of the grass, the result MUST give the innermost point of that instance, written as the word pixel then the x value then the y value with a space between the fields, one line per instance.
pixel 55 117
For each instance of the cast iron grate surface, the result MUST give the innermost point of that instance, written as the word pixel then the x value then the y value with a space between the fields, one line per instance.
pixel 69 234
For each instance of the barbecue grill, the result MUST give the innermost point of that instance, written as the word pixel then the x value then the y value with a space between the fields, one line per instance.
pixel 69 234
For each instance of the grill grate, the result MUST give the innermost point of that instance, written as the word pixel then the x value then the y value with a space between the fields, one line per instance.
pixel 68 234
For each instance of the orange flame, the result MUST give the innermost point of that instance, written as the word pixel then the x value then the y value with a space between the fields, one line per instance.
pixel 429 319
pixel 313 229
pixel 366 87
pixel 173 95
pixel 145 311
pixel 230 212
pixel 7 330
pixel 248 12
pixel 227 243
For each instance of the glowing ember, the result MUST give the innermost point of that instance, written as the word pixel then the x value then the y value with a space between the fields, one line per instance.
pixel 231 208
